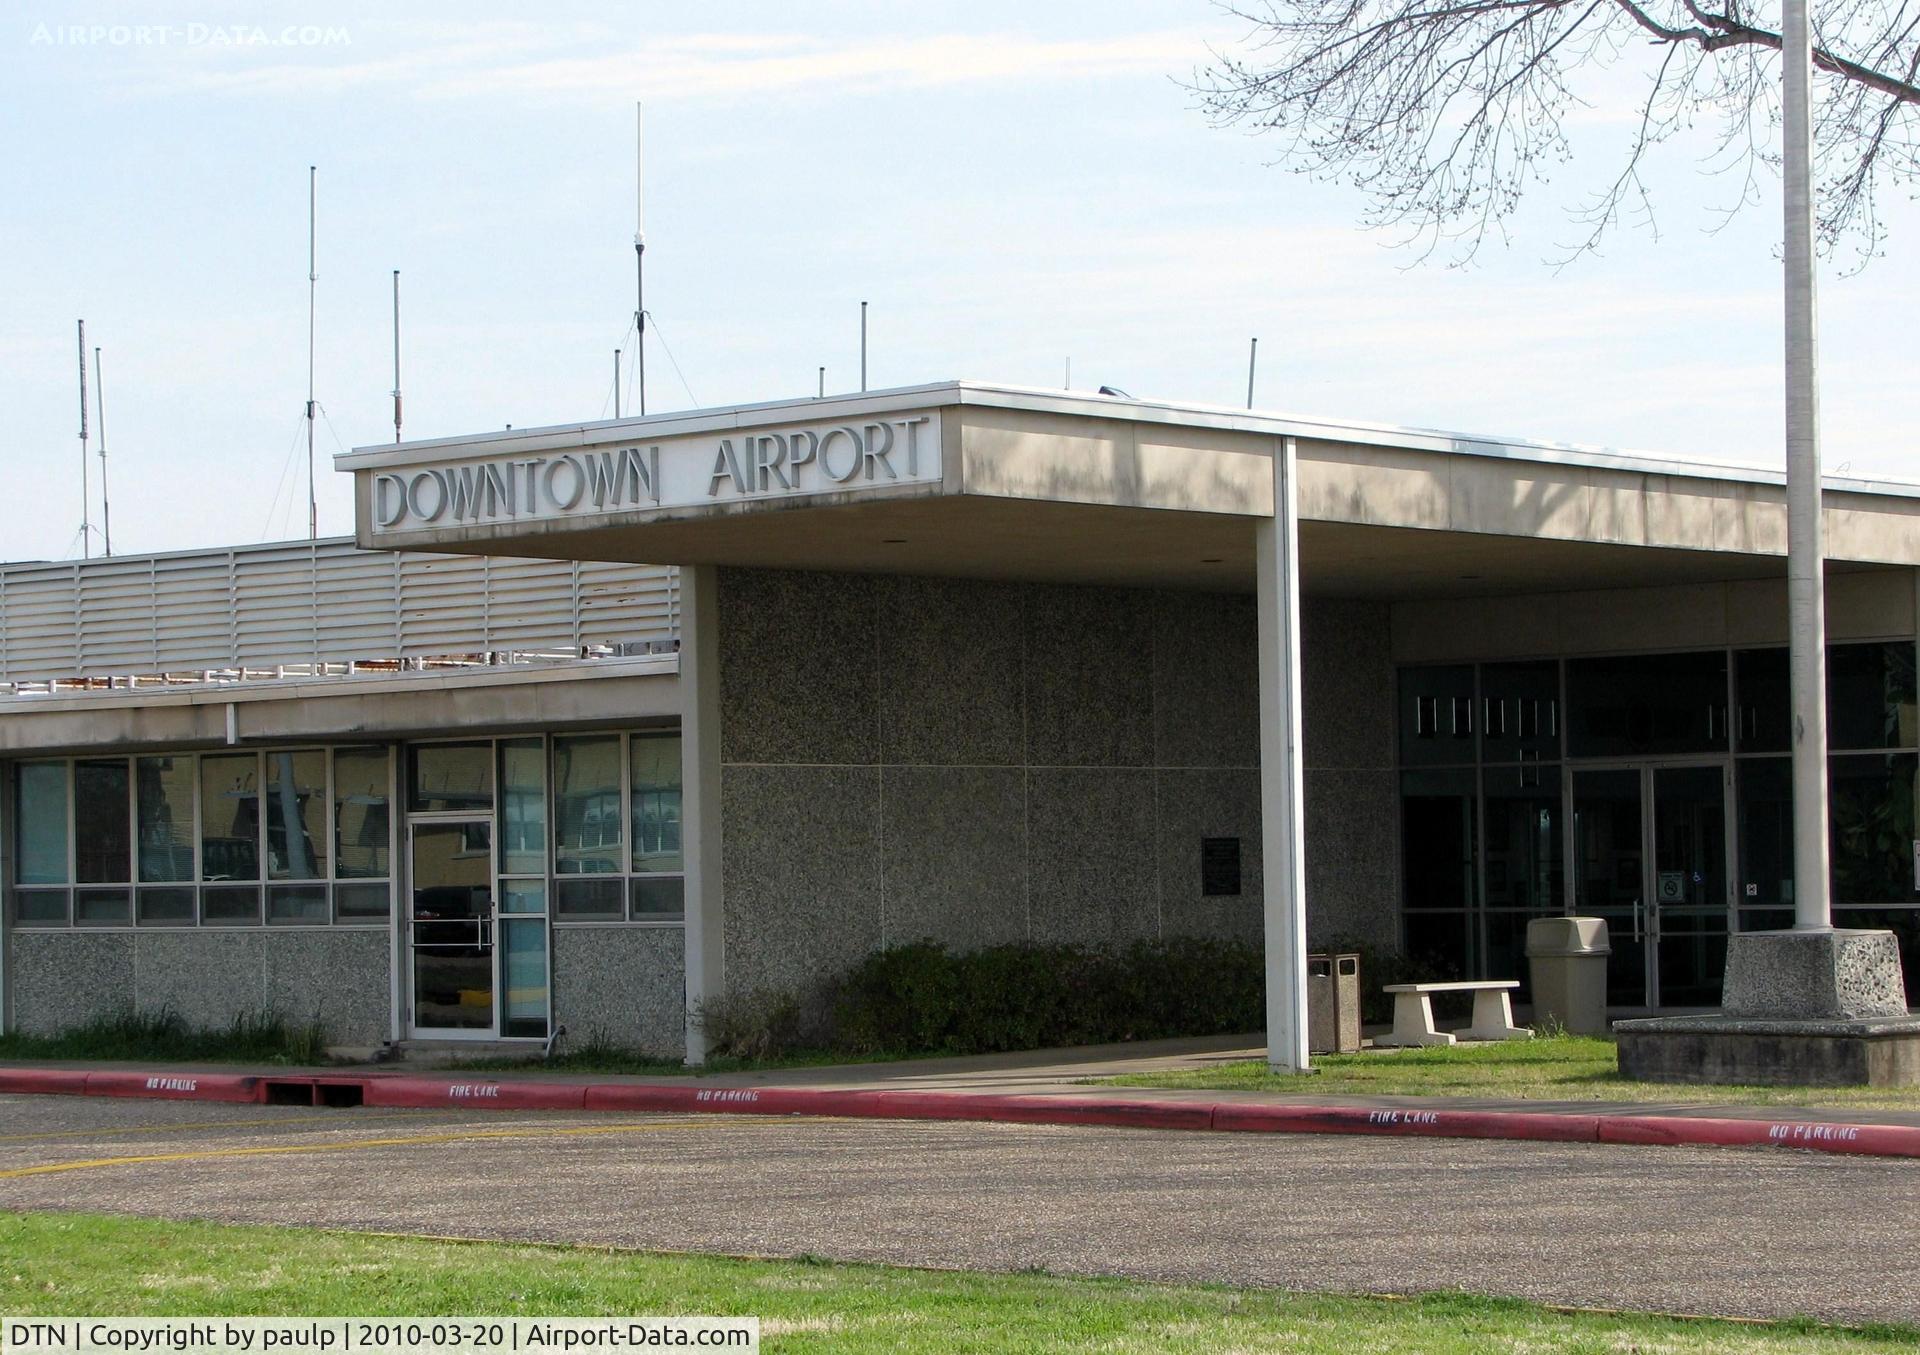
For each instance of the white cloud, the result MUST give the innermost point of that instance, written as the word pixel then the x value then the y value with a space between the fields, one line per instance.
pixel 512 60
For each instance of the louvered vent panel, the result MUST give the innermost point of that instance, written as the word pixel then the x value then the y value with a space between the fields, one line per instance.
pixel 530 604
pixel 193 611
pixel 296 603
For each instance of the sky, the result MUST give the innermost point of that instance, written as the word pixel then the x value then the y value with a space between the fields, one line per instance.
pixel 1010 186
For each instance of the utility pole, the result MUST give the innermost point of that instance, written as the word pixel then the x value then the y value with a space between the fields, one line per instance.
pixel 313 276
pixel 1806 590
pixel 86 493
pixel 100 408
pixel 640 260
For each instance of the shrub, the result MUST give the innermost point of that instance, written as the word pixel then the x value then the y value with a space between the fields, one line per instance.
pixel 759 1026
pixel 924 998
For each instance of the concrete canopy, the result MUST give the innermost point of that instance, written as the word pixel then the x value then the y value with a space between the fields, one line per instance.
pixel 1051 486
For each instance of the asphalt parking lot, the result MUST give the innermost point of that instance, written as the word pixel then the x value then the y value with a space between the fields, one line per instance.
pixel 1750 1233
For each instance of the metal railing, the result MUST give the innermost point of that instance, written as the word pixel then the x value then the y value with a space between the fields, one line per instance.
pixel 313 608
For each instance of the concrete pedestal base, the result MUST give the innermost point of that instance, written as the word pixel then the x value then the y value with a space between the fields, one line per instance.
pixel 1806 1009
pixel 1771 1053
pixel 1836 975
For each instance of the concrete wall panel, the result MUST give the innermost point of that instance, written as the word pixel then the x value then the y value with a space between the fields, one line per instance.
pixel 1049 758
pixel 954 843
pixel 340 978
pixel 1089 677
pixel 800 863
pixel 1347 673
pixel 1353 856
pixel 1196 803
pixel 1206 681
pixel 64 979
pixel 624 985
pixel 1092 876
pixel 209 976
pixel 950 672
pixel 797 676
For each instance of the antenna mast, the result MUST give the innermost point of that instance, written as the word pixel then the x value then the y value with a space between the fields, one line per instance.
pixel 396 355
pixel 616 383
pixel 100 407
pixel 863 345
pixel 1253 356
pixel 639 259
pixel 86 494
pixel 313 508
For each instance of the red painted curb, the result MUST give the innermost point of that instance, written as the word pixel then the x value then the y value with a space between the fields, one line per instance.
pixel 1873 1140
pixel 44 1081
pixel 177 1086
pixel 401 1090
pixel 1405 1120
pixel 468 1093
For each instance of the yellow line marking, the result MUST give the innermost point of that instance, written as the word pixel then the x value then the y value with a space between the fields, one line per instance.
pixel 104 1131
pixel 278 1149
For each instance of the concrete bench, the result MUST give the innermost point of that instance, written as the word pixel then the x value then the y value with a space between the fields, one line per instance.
pixel 1413 1013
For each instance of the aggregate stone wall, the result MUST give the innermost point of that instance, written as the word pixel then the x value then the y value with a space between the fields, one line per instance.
pixel 622 985
pixel 335 976
pixel 974 762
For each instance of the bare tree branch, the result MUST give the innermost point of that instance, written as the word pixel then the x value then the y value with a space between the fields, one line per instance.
pixel 1445 113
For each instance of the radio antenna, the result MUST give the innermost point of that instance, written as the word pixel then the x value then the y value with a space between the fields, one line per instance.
pixel 640 258
pixel 1253 355
pixel 86 494
pixel 100 408
pixel 313 506
pixel 396 355
pixel 863 345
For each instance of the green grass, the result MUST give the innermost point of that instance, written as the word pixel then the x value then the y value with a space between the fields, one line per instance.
pixel 1551 1068
pixel 164 1037
pixel 84 1265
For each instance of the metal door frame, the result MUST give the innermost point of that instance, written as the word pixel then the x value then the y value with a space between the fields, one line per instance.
pixel 491 1032
pixel 1648 928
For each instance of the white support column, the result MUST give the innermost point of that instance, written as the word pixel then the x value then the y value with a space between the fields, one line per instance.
pixel 700 826
pixel 1282 786
pixel 1806 549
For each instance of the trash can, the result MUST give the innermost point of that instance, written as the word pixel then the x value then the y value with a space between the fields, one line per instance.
pixel 1567 957
pixel 1333 1004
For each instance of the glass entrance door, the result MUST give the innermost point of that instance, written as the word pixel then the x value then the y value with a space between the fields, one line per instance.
pixel 1688 919
pixel 1650 856
pixel 451 931
pixel 1609 874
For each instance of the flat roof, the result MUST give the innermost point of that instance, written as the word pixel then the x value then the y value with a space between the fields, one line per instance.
pixel 1079 404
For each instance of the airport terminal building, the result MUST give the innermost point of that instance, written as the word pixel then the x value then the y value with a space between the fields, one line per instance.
pixel 600 725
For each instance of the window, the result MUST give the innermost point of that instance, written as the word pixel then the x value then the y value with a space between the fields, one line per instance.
pixel 1647 705
pixel 164 796
pixel 230 817
pixel 588 817
pixel 102 829
pixel 40 823
pixel 1871 828
pixel 616 807
pixel 297 815
pixel 523 807
pixel 451 776
pixel 1436 716
pixel 178 839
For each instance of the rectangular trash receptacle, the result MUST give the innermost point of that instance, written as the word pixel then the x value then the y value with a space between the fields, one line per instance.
pixel 1568 959
pixel 1333 1004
